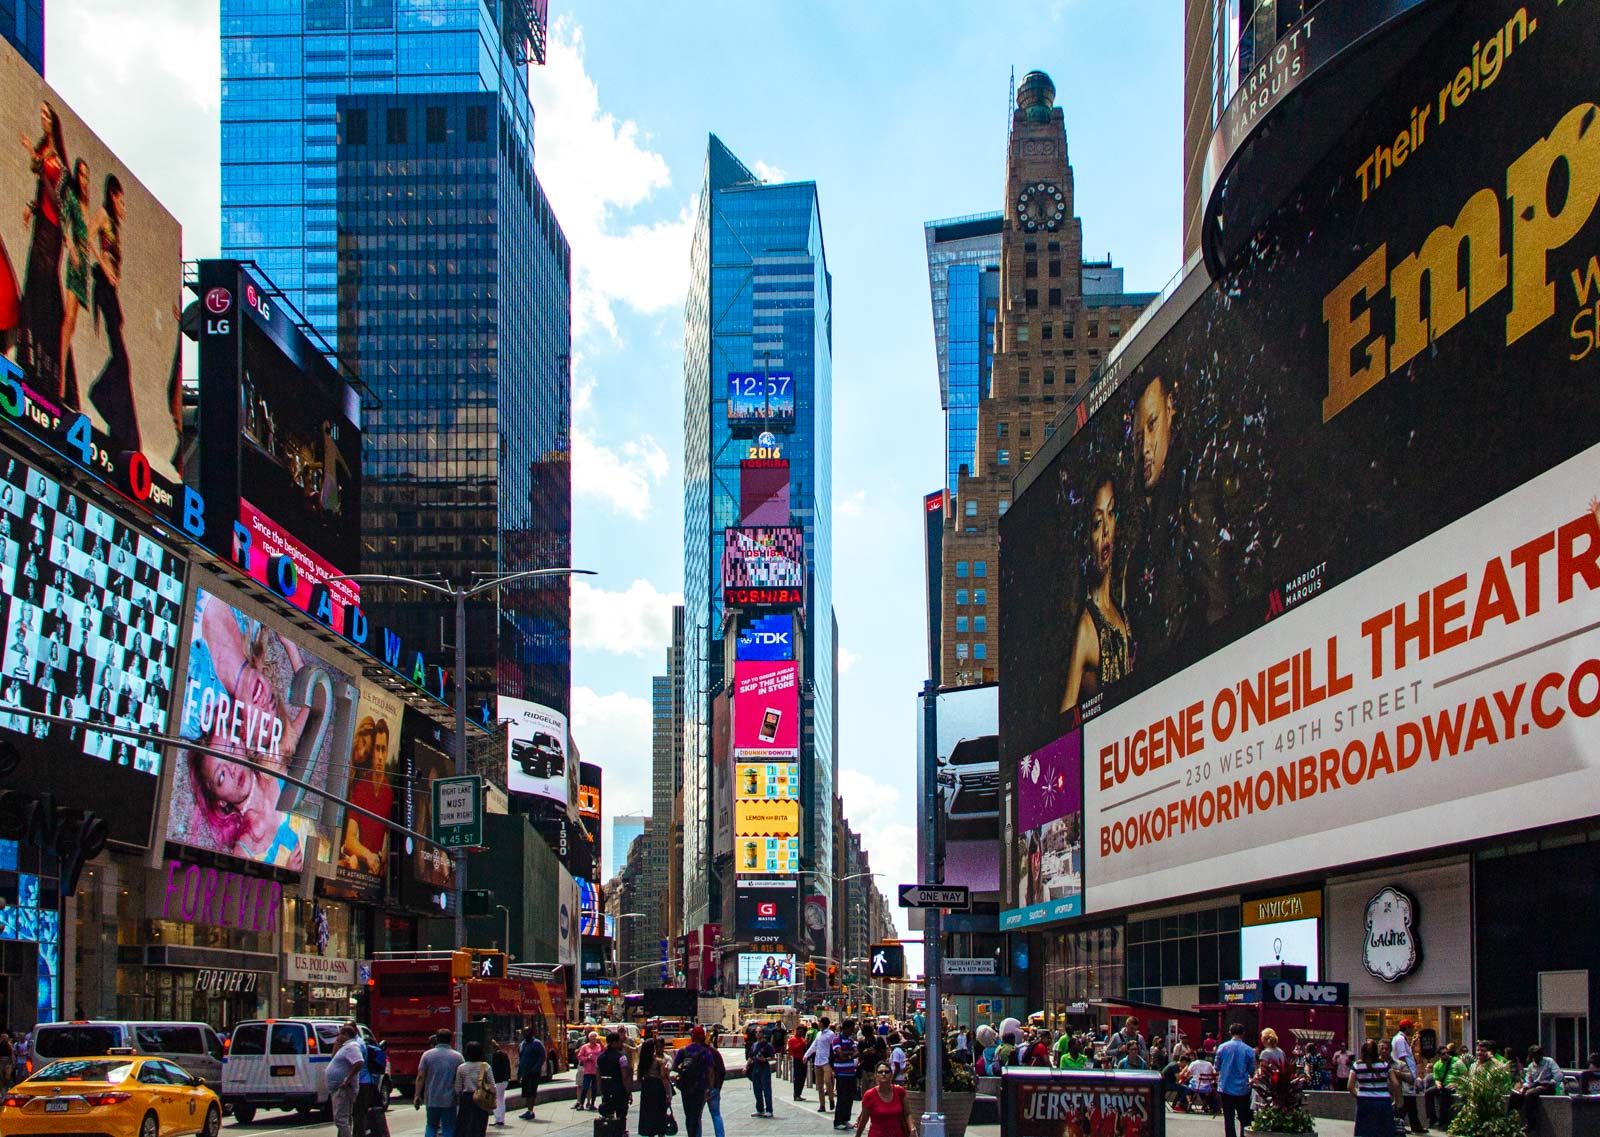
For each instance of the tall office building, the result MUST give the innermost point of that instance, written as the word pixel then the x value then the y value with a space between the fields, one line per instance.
pixel 22 24
pixel 758 316
pixel 377 160
pixel 964 285
pixel 665 861
pixel 1056 317
pixel 625 828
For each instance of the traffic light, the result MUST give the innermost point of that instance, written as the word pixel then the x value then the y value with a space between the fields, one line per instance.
pixel 887 961
pixel 75 836
pixel 833 975
pixel 811 974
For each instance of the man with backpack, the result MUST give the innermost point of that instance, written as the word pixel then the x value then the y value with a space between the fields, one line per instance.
pixel 369 1088
pixel 694 1069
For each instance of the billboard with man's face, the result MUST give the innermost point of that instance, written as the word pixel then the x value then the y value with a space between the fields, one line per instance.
pixel 374 775
pixel 90 292
pixel 1312 562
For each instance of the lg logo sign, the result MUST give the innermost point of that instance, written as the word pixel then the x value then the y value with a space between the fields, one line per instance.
pixel 256 300
pixel 219 302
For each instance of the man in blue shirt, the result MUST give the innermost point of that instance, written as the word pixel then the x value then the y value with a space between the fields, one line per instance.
pixel 1236 1062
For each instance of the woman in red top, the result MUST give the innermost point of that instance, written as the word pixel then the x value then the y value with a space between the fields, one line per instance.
pixel 885 1107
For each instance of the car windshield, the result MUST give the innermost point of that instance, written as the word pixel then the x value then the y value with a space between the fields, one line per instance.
pixel 85 1070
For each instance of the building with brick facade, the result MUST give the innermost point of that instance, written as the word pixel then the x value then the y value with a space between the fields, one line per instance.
pixel 1056 318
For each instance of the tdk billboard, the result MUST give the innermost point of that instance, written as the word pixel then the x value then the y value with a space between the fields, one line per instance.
pixel 767 638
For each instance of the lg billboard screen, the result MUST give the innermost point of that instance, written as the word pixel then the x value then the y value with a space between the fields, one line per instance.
pixel 92 615
pixel 90 290
pixel 1313 564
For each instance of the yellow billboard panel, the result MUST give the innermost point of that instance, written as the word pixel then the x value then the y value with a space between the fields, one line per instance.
pixel 766 818
pixel 766 781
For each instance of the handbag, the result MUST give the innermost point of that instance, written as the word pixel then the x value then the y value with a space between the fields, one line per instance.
pixel 672 1123
pixel 484 1096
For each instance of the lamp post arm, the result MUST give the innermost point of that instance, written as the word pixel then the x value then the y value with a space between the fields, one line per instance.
pixel 387 578
pixel 497 581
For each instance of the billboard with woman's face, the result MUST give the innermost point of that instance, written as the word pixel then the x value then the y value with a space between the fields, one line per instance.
pixel 255 692
pixel 90 288
pixel 374 772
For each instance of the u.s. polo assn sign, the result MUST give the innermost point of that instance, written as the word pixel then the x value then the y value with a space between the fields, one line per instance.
pixel 1392 948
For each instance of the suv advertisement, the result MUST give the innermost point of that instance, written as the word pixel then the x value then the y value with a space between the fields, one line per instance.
pixel 536 752
pixel 960 779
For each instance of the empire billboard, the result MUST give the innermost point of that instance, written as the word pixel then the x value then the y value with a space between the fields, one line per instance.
pixel 1315 560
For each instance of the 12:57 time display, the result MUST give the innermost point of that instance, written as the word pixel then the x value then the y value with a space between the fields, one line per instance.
pixel 750 386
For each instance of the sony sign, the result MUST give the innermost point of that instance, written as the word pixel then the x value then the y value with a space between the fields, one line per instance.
pixel 1392 948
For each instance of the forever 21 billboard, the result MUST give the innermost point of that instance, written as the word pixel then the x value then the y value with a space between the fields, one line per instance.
pixel 1311 561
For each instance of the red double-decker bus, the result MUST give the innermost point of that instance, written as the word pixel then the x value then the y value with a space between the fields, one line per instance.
pixel 413 995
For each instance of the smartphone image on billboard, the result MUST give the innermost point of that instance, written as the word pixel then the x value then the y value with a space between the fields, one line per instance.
pixel 769 724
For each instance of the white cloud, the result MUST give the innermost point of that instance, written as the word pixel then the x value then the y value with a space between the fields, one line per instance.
pixel 877 810
pixel 637 621
pixel 146 77
pixel 595 167
pixel 847 660
pixel 613 730
pixel 622 477
pixel 768 173
pixel 853 504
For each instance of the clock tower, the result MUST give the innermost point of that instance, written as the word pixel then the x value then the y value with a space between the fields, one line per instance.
pixel 1057 318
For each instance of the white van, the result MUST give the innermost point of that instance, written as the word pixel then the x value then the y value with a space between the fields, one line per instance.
pixel 280 1064
pixel 193 1046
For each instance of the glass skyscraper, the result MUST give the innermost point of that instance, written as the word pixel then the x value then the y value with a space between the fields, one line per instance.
pixel 377 162
pixel 22 23
pixel 760 296
pixel 964 282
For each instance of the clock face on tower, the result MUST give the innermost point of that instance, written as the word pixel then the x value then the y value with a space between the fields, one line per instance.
pixel 1040 206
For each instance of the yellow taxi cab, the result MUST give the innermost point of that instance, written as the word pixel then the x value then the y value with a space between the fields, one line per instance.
pixel 119 1095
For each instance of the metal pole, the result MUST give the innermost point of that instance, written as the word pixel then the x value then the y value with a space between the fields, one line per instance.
pixel 461 768
pixel 932 960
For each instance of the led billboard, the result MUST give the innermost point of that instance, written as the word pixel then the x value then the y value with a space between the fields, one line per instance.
pixel 1049 848
pixel 960 777
pixel 763 566
pixel 92 611
pixel 758 401
pixel 374 774
pixel 1358 472
pixel 757 969
pixel 765 913
pixel 256 692
pixel 536 754
pixel 766 710
pixel 280 435
pixel 767 781
pixel 769 638
pixel 766 819
pixel 763 491
pixel 589 795
pixel 768 856
pixel 90 291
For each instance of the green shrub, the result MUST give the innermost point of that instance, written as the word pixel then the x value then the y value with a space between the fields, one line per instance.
pixel 1482 1105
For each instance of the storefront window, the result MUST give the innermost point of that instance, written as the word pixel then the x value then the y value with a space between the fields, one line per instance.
pixel 1383 1022
pixel 1194 949
pixel 1081 966
pixel 330 929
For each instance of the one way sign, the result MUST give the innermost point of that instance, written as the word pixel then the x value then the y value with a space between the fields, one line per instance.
pixel 935 896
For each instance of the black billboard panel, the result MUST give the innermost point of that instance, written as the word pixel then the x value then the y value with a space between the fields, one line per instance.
pixel 765 913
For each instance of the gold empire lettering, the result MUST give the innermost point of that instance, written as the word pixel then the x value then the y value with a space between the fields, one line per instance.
pixel 1360 357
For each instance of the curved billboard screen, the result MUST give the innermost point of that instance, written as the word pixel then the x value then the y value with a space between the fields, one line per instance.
pixel 1317 562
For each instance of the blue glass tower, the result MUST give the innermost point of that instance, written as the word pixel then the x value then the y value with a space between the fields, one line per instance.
pixel 964 283
pixel 759 295
pixel 377 161
pixel 22 23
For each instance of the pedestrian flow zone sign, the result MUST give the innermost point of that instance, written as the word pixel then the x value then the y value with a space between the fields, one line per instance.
pixel 458 812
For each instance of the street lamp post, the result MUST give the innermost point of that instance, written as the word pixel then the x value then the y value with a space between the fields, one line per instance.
pixel 482 583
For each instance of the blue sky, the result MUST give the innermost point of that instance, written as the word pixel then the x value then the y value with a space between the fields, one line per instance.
pixel 899 113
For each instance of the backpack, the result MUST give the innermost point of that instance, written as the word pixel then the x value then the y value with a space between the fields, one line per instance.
pixel 377 1061
pixel 691 1073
